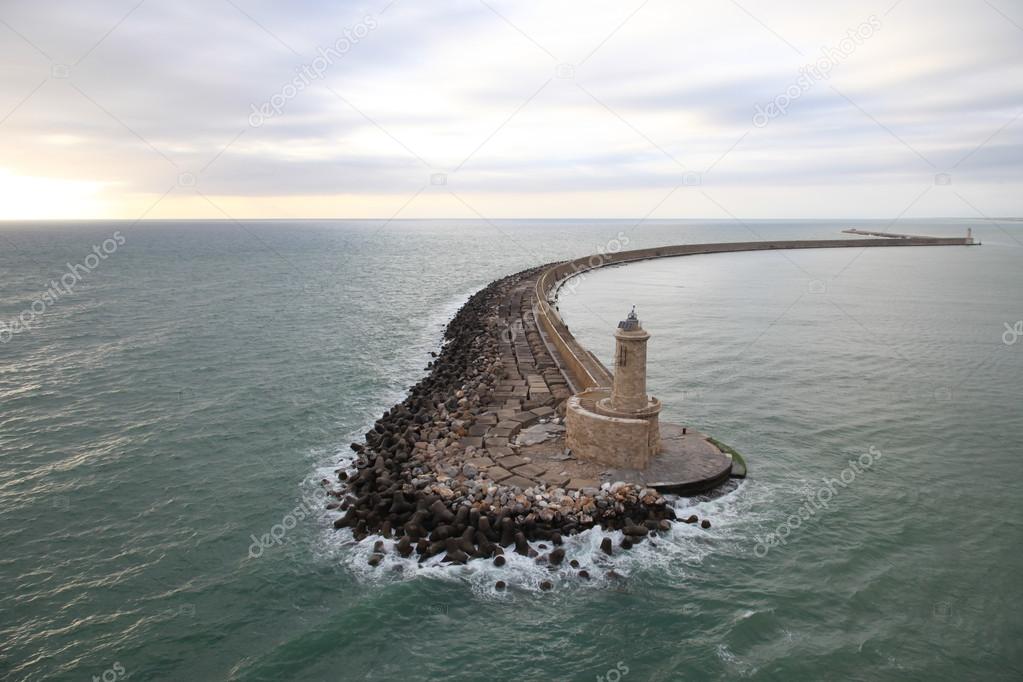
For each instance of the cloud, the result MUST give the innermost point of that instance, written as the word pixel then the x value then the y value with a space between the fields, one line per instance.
pixel 514 101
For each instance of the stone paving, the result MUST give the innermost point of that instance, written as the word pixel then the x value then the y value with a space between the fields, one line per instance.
pixel 532 386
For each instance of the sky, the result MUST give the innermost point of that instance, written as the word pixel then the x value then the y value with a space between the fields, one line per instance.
pixel 495 109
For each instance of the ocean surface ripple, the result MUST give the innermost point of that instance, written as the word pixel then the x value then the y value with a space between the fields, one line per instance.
pixel 191 391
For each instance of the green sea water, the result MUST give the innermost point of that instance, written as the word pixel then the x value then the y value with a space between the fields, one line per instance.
pixel 184 398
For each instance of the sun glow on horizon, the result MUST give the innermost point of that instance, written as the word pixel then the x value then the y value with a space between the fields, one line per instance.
pixel 25 197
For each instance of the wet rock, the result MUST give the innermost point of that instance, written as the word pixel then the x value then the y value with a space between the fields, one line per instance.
pixel 606 546
pixel 461 518
pixel 465 542
pixel 521 546
pixel 441 512
pixel 484 526
pixel 400 505
pixel 705 524
pixel 546 585
pixel 499 560
pixel 500 584
pixel 557 556
pixel 456 557
pixel 507 532
pixel 486 547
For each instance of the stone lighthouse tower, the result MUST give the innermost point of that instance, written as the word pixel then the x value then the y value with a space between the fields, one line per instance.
pixel 628 393
pixel 618 426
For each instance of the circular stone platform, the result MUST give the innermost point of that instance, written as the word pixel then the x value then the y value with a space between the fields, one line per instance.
pixel 687 464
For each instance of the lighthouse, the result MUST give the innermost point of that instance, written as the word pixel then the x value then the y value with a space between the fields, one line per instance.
pixel 628 392
pixel 618 425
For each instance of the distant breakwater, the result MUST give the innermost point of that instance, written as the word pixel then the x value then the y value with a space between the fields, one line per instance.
pixel 438 473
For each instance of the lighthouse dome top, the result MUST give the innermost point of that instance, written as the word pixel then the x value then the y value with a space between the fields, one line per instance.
pixel 630 323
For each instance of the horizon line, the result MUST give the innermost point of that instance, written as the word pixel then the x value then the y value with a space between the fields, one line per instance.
pixel 553 219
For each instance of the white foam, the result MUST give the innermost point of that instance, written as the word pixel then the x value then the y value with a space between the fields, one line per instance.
pixel 675 552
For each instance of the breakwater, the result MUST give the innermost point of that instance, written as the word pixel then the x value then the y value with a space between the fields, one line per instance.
pixel 440 472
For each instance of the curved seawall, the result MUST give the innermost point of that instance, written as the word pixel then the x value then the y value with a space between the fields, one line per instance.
pixel 582 369
pixel 443 472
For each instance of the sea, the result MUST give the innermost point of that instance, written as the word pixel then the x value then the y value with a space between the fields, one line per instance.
pixel 173 392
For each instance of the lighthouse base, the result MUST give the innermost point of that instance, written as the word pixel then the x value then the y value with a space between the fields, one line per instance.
pixel 640 449
pixel 595 431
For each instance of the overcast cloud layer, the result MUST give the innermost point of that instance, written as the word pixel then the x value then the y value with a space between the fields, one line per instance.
pixel 251 108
